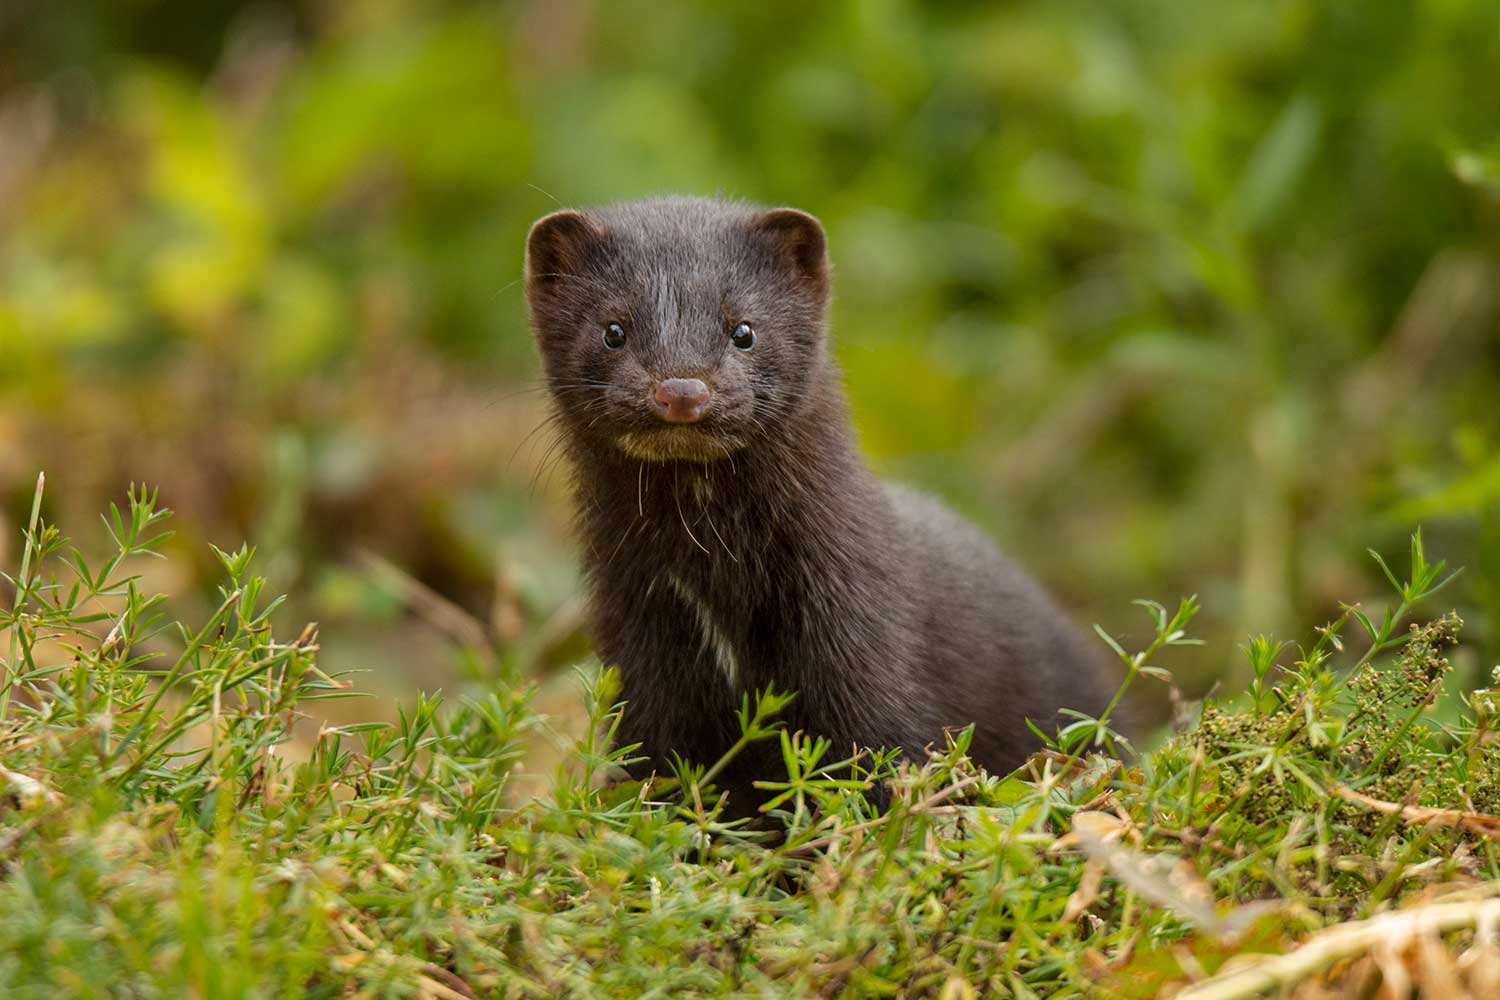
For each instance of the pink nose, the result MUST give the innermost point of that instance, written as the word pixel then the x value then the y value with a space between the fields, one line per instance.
pixel 681 400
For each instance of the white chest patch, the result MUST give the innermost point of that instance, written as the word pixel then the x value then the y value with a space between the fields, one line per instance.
pixel 714 639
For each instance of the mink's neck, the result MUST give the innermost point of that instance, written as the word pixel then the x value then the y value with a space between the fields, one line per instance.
pixel 803 485
pixel 770 551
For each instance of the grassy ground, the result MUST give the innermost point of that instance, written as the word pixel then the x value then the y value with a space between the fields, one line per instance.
pixel 1324 832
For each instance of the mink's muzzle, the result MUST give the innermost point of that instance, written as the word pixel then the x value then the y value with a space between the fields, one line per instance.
pixel 677 419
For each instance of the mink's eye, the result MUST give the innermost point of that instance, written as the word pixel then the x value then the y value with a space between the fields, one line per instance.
pixel 614 336
pixel 742 337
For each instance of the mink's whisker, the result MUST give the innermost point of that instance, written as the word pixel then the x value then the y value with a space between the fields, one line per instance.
pixel 677 495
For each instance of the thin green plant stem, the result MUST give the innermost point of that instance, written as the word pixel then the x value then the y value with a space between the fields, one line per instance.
pixel 22 587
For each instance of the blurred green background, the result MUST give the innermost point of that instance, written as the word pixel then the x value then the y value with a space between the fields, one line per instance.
pixel 1171 297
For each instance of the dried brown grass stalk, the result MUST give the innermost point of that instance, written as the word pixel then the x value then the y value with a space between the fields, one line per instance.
pixel 1481 823
pixel 1406 946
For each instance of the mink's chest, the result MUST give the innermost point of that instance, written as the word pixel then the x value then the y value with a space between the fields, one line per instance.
pixel 722 591
pixel 713 574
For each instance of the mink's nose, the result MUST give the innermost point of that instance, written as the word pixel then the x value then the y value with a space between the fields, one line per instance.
pixel 681 400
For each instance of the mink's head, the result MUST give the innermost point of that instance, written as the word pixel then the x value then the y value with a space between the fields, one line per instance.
pixel 679 329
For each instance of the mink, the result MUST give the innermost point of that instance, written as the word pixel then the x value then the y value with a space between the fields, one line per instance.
pixel 733 538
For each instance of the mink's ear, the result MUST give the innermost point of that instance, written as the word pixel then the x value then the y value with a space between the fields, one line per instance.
pixel 557 247
pixel 798 242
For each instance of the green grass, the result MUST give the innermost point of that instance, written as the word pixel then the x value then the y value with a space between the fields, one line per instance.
pixel 158 837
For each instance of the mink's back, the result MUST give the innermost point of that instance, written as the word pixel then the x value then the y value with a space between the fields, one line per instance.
pixel 997 650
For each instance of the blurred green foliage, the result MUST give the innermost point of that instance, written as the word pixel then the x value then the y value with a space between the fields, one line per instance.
pixel 1172 297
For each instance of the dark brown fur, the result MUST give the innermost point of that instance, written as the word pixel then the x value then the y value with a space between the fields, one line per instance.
pixel 755 548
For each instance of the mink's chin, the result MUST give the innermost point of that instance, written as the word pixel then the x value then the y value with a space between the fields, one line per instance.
pixel 678 444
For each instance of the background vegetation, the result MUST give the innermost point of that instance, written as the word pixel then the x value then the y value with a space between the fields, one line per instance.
pixel 1173 298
